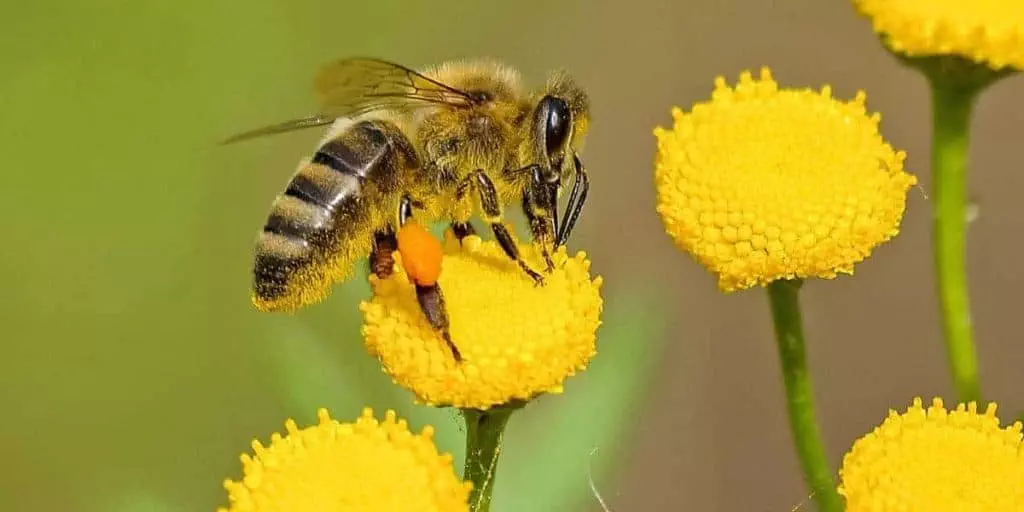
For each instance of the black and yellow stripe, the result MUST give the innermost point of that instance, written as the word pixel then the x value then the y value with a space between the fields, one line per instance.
pixel 327 205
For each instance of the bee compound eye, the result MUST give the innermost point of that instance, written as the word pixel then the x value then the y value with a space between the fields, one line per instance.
pixel 556 128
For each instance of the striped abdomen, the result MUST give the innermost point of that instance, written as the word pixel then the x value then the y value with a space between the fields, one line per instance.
pixel 325 220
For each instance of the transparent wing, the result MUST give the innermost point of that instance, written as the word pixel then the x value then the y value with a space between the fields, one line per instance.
pixel 287 126
pixel 355 86
pixel 358 85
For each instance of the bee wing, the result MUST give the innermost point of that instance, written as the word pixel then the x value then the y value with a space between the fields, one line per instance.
pixel 355 86
pixel 359 85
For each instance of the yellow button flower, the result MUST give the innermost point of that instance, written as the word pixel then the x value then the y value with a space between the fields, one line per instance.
pixel 762 183
pixel 985 31
pixel 517 340
pixel 936 460
pixel 366 466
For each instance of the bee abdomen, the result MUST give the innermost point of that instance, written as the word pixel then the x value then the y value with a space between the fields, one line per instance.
pixel 272 272
pixel 321 220
pixel 356 152
pixel 297 218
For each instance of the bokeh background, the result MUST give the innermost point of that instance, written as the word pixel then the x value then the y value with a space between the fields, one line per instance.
pixel 134 370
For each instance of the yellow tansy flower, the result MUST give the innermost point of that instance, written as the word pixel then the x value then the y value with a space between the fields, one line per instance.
pixel 762 183
pixel 517 339
pixel 984 31
pixel 936 460
pixel 368 466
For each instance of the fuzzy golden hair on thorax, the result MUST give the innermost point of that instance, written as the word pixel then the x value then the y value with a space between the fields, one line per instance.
pixel 502 81
pixel 459 141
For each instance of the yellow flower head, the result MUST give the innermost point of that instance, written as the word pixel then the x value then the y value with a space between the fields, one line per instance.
pixel 367 466
pixel 984 31
pixel 517 339
pixel 936 460
pixel 762 183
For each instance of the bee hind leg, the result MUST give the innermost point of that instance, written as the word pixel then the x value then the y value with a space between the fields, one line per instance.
pixel 431 301
pixel 429 297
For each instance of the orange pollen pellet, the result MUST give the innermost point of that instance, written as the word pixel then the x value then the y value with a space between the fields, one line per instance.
pixel 421 254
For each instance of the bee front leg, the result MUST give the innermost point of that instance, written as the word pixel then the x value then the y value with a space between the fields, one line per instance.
pixel 540 208
pixel 492 214
pixel 578 196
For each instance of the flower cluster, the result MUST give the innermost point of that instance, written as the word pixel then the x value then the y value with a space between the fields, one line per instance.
pixel 983 31
pixel 936 460
pixel 517 339
pixel 368 465
pixel 762 183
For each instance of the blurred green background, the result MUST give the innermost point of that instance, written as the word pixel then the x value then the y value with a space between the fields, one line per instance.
pixel 135 370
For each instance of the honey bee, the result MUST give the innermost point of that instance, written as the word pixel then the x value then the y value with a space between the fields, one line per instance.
pixel 439 145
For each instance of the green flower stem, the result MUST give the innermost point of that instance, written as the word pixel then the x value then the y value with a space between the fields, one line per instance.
pixel 784 297
pixel 951 117
pixel 484 433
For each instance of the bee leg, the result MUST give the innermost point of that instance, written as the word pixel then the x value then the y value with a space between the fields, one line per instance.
pixel 546 198
pixel 462 230
pixel 430 297
pixel 541 211
pixel 404 210
pixel 385 242
pixel 382 259
pixel 492 214
pixel 432 304
pixel 554 210
pixel 580 187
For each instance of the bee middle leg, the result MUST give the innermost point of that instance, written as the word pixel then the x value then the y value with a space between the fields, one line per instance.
pixel 382 259
pixel 429 296
pixel 492 214
pixel 385 242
